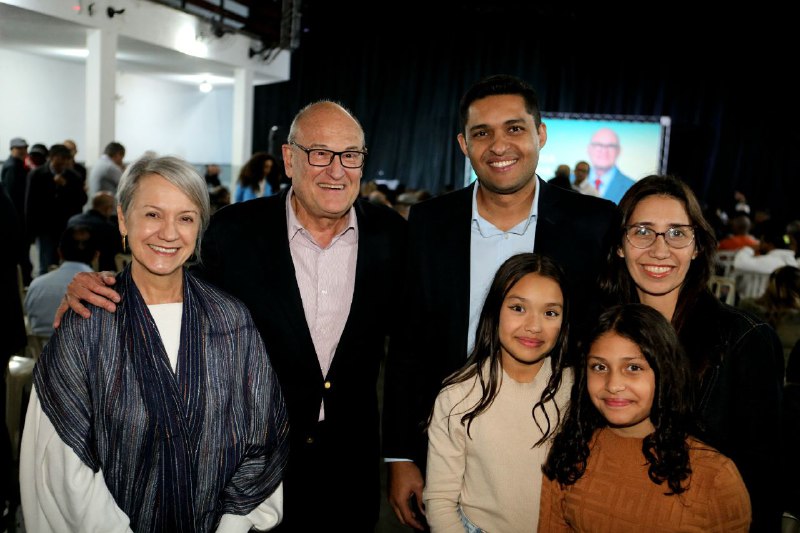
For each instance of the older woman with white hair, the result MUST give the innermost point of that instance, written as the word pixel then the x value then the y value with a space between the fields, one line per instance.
pixel 166 415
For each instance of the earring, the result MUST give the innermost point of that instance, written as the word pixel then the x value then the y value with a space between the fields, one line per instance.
pixel 125 243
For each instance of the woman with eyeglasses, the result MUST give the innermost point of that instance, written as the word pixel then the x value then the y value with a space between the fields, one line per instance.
pixel 664 258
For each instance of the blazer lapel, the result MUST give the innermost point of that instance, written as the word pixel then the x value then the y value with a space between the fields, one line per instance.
pixel 453 236
pixel 548 219
pixel 281 276
pixel 368 242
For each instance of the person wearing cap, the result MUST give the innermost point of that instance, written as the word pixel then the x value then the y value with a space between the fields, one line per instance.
pixel 14 178
pixel 37 155
pixel 14 172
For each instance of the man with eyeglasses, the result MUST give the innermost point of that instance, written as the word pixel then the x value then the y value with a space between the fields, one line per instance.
pixel 456 244
pixel 604 176
pixel 312 265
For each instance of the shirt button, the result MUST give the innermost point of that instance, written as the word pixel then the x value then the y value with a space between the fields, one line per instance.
pixel 324 291
pixel 327 385
pixel 505 236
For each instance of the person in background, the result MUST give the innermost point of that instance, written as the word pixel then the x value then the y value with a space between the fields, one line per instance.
pixel 664 257
pixel 54 193
pixel 740 234
pixel 165 415
pixel 212 176
pixel 626 456
pixel 74 165
pixel 219 197
pixel 14 180
pixel 107 171
pixel 252 182
pixel 780 306
pixel 37 156
pixel 77 249
pixel 772 252
pixel 481 436
pixel 404 202
pixel 561 179
pixel 101 218
pixel 581 184
pixel 14 173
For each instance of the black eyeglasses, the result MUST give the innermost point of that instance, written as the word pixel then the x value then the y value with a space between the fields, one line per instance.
pixel 644 237
pixel 317 157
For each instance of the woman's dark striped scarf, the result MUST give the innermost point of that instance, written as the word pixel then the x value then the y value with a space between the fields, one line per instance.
pixel 177 450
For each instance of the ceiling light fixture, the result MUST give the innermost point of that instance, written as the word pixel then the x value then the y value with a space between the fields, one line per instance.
pixel 205 86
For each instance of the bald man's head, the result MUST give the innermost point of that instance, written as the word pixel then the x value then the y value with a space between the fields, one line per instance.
pixel 604 149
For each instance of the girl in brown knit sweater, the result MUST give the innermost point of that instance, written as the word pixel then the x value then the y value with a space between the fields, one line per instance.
pixel 624 459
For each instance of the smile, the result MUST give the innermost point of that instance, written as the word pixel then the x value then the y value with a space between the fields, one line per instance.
pixel 657 270
pixel 502 164
pixel 162 250
pixel 332 186
pixel 530 343
pixel 616 402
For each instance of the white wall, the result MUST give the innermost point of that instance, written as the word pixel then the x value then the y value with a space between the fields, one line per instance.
pixel 175 119
pixel 42 100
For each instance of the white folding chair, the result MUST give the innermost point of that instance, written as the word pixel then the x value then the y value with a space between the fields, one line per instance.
pixel 751 284
pixel 723 288
pixel 724 262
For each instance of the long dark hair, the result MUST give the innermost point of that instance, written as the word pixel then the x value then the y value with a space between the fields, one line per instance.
pixel 618 283
pixel 666 449
pixel 487 340
pixel 252 173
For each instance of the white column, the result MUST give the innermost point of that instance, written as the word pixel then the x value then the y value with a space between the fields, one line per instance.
pixel 101 82
pixel 242 147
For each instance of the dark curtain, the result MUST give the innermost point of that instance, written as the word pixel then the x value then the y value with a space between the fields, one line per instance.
pixel 402 68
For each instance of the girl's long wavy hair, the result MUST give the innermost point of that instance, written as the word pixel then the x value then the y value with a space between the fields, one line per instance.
pixel 666 449
pixel 617 283
pixel 487 341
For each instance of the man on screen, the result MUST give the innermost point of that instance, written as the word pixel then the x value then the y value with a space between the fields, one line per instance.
pixel 608 181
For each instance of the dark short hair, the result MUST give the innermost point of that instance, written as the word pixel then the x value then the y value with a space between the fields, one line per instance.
pixel 114 148
pixel 77 244
pixel 500 84
pixel 59 150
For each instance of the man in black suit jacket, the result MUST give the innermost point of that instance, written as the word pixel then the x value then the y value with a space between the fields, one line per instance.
pixel 561 179
pixel 261 251
pixel 15 178
pixel 502 133
pixel 54 193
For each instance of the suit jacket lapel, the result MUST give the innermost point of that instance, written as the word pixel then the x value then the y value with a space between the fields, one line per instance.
pixel 547 221
pixel 368 242
pixel 457 228
pixel 281 274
